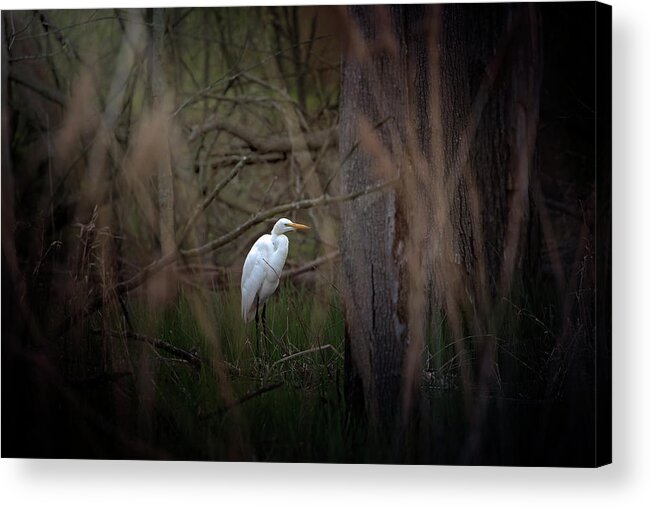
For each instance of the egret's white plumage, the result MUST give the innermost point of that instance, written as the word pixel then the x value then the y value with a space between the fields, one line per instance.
pixel 263 266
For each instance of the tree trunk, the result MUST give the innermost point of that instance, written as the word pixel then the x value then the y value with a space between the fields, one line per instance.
pixel 165 176
pixel 445 99
pixel 372 104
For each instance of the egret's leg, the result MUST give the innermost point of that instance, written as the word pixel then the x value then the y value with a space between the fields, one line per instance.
pixel 257 328
pixel 264 319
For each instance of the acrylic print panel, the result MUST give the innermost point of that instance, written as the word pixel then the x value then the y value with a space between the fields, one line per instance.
pixel 364 234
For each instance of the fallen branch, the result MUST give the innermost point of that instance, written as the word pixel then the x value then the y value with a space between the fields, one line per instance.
pixel 249 396
pixel 187 356
pixel 304 352
pixel 253 394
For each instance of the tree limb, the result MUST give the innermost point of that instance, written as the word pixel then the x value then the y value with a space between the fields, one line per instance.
pixel 50 94
pixel 228 159
pixel 168 259
pixel 155 266
pixel 209 199
pixel 314 140
pixel 189 357
pixel 304 352
pixel 309 266
pixel 253 394
pixel 276 210
pixel 248 396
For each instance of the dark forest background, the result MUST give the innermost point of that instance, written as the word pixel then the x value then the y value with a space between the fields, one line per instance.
pixel 450 304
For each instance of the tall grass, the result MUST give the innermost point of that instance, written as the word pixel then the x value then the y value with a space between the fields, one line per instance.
pixel 288 399
pixel 301 417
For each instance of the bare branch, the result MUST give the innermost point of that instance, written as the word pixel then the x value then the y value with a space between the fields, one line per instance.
pixel 309 266
pixel 59 35
pixel 189 357
pixel 209 199
pixel 314 140
pixel 50 94
pixel 304 352
pixel 253 394
pixel 272 212
pixel 249 396
pixel 168 259
pixel 252 158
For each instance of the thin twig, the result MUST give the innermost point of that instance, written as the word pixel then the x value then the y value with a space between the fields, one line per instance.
pixel 232 77
pixel 209 199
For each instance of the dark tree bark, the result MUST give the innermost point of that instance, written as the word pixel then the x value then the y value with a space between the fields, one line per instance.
pixel 446 100
pixel 372 101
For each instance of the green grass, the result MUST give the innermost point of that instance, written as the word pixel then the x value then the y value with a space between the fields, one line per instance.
pixel 302 418
pixel 287 403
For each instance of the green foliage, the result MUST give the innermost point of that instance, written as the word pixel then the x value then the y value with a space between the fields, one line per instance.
pixel 304 418
pixel 199 414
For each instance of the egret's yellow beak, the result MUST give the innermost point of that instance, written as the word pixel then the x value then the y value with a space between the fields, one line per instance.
pixel 298 227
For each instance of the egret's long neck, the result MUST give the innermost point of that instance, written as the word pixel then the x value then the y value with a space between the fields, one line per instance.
pixel 275 236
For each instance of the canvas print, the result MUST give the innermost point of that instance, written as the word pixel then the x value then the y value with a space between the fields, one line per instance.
pixel 339 234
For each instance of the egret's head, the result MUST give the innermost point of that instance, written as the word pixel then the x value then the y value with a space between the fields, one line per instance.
pixel 286 225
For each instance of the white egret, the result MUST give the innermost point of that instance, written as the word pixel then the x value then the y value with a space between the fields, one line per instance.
pixel 262 269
